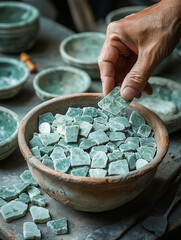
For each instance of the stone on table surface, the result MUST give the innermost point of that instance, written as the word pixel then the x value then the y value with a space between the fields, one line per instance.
pixel 148 142
pixel 12 191
pixel 58 226
pixel 33 191
pixel 58 153
pixel 2 202
pixel 31 231
pixel 113 102
pixel 80 171
pixel 132 162
pixel 35 142
pixel 87 143
pixel 99 160
pixel 48 162
pixel 116 136
pixel 115 155
pixel 91 111
pixel 85 128
pixel 78 157
pixel 46 117
pixel 99 136
pixel 62 165
pixel 40 214
pixel 97 172
pixel 74 112
pixel 36 152
pixel 49 138
pixel 119 167
pixel 144 130
pixel 13 210
pixel 136 120
pixel 147 153
pixel 140 163
pixel 46 150
pixel 24 198
pixel 28 178
pixel 71 134
pixel 39 200
pixel 84 118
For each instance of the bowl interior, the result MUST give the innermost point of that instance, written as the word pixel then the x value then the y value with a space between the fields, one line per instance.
pixel 8 125
pixel 11 73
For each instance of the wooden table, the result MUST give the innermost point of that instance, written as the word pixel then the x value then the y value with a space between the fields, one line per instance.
pixel 45 54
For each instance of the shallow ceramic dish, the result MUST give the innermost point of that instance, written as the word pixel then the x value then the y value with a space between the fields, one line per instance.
pixel 19 25
pixel 125 11
pixel 86 193
pixel 9 124
pixel 13 75
pixel 167 90
pixel 82 50
pixel 57 81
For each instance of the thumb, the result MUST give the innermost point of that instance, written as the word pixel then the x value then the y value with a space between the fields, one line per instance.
pixel 136 80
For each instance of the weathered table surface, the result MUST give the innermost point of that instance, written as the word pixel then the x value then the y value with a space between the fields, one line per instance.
pixel 46 54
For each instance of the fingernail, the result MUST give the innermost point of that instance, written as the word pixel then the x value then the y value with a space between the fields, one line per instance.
pixel 129 93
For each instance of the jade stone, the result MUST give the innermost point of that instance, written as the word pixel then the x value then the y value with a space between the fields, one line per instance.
pixel 136 120
pixel 123 120
pixel 80 171
pixel 133 140
pixel 58 153
pixel 87 143
pixel 99 136
pixel 36 152
pixel 2 202
pixel 59 226
pixel 100 120
pixel 48 163
pixel 44 128
pixel 118 143
pixel 71 134
pixel 128 147
pixel 35 142
pixel 49 139
pixel 61 119
pixel 40 214
pixel 147 153
pixel 39 200
pixel 97 172
pixel 78 157
pixel 31 231
pixel 84 118
pixel 13 210
pixel 113 102
pixel 85 129
pixel 46 150
pixel 46 117
pixel 148 142
pixel 28 178
pixel 24 198
pixel 138 156
pixel 68 145
pixel 116 136
pixel 127 154
pixel 99 126
pixel 95 149
pixel 101 113
pixel 115 125
pixel 99 160
pixel 33 191
pixel 91 111
pixel 111 146
pixel 132 162
pixel 140 163
pixel 74 112
pixel 61 129
pixel 12 191
pixel 115 155
pixel 144 130
pixel 119 167
pixel 62 165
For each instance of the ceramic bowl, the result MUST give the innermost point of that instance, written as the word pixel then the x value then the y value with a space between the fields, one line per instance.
pixel 177 50
pixel 57 81
pixel 9 124
pixel 19 25
pixel 87 193
pixel 13 75
pixel 125 11
pixel 170 91
pixel 82 50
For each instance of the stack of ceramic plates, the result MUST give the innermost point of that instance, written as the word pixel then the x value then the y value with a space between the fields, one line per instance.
pixel 19 25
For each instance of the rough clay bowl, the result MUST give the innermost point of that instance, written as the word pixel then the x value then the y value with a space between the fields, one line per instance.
pixel 166 89
pixel 19 26
pixel 82 50
pixel 120 13
pixel 9 124
pixel 13 75
pixel 86 193
pixel 57 81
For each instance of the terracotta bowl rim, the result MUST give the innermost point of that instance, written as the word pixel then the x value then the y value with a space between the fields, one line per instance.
pixel 38 165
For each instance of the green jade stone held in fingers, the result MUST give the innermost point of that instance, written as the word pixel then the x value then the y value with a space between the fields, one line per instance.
pixel 31 231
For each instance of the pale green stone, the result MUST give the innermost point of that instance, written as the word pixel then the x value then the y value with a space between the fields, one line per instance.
pixel 79 158
pixel 99 160
pixel 39 200
pixel 62 165
pixel 99 126
pixel 119 167
pixel 100 120
pixel 84 118
pixel 115 125
pixel 95 149
pixel 2 202
pixel 13 210
pixel 148 142
pixel 49 139
pixel 61 129
pixel 46 150
pixel 73 112
pixel 144 130
pixel 102 114
pixel 28 178
pixel 99 136
pixel 138 156
pixel 59 226
pixel 40 214
pixel 46 117
pixel 136 120
pixel 24 198
pixel 97 172
pixel 44 128
pixel 147 153
pixel 80 171
pixel 115 155
pixel 118 143
pixel 111 146
pixel 48 162
pixel 31 231
pixel 127 154
pixel 116 136
pixel 58 153
pixel 85 128
pixel 35 142
pixel 140 163
pixel 133 140
pixel 122 120
pixel 62 119
pixel 87 143
pixel 36 152
pixel 68 145
pixel 91 111
pixel 71 134
pixel 128 147
pixel 33 191
pixel 132 162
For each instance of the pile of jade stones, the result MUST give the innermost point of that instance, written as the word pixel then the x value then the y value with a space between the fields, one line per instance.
pixel 94 142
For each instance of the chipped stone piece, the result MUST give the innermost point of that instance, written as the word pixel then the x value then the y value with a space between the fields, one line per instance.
pixel 58 153
pixel 115 155
pixel 24 198
pixel 100 120
pixel 95 149
pixel 87 143
pixel 116 136
pixel 119 167
pixel 99 126
pixel 28 178
pixel 85 128
pixel 115 125
pixel 59 226
pixel 38 200
pixel 36 152
pixel 49 139
pixel 12 191
pixel 84 118
pixel 127 154
pixel 61 119
pixel 62 165
pixel 33 191
pixel 91 111
pixel 111 147
pixel 74 112
pixel 2 202
pixel 148 142
pixel 79 158
pixel 48 162
pixel 80 171
pixel 99 136
pixel 140 163
pixel 71 134
pixel 68 145
pixel 128 147
pixel 46 117
pixel 46 150
pixel 144 130
pixel 97 172
pixel 147 153
pixel 132 162
pixel 136 120
pixel 99 160
pixel 35 142
pixel 44 128
pixel 31 231
pixel 40 214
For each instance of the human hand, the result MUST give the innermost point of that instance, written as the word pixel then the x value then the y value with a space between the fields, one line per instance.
pixel 136 45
